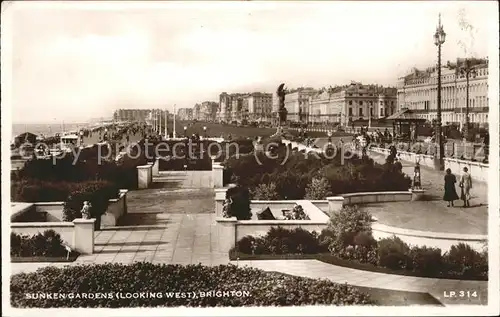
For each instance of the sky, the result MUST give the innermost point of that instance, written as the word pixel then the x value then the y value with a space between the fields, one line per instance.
pixel 75 61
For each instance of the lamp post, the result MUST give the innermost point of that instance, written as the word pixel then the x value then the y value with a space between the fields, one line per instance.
pixel 204 132
pixel 166 120
pixel 468 71
pixel 174 133
pixel 439 39
pixel 329 133
pixel 185 131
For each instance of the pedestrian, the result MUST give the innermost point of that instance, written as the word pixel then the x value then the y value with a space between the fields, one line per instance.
pixel 465 185
pixel 450 193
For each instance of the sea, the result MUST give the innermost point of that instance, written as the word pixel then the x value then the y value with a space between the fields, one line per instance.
pixel 47 129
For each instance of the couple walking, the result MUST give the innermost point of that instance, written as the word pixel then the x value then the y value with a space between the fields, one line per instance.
pixel 450 194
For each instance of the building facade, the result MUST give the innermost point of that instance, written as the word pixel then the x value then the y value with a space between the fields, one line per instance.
pixel 259 106
pixel 185 114
pixel 297 104
pixel 418 91
pixel 208 110
pixel 225 103
pixel 340 104
pixel 197 112
pixel 141 115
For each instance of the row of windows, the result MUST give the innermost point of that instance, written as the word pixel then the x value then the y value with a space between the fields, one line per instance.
pixel 361 113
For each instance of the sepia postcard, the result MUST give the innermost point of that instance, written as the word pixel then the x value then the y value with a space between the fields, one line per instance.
pixel 242 158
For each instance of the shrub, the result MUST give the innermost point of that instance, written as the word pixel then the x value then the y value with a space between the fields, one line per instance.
pixel 261 288
pixel 48 243
pixel 345 225
pixel 31 190
pixel 240 206
pixel 426 260
pixel 393 253
pixel 297 213
pixel 281 241
pixel 97 193
pixel 318 188
pixel 462 260
pixel 265 192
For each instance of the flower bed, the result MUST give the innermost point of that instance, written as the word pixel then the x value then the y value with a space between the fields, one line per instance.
pixel 42 247
pixel 348 237
pixel 251 287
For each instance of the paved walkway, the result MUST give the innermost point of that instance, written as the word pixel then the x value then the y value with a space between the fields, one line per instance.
pixel 171 201
pixel 321 270
pixel 184 179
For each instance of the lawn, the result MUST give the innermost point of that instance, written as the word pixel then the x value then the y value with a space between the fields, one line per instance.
pixel 217 129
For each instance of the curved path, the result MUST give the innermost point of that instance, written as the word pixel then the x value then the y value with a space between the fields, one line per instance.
pixel 433 286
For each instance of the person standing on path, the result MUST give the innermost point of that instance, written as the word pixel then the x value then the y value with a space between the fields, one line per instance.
pixel 450 193
pixel 465 185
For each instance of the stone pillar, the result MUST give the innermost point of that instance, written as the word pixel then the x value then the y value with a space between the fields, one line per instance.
pixel 217 175
pixel 156 168
pixel 335 204
pixel 226 233
pixel 220 196
pixel 143 176
pixel 83 235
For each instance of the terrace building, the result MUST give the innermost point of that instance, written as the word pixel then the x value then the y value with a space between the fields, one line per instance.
pixel 185 114
pixel 197 112
pixel 131 114
pixel 259 106
pixel 208 111
pixel 417 91
pixel 340 104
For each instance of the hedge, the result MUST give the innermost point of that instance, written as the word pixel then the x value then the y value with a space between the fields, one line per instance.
pixel 294 174
pixel 258 288
pixel 30 190
pixel 47 244
pixel 97 193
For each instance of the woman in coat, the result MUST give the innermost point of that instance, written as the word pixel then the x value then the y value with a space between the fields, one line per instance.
pixel 450 194
pixel 466 185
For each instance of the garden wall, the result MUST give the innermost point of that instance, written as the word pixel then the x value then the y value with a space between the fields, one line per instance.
pixel 54 210
pixel 78 235
pixel 117 208
pixel 479 171
pixel 373 197
pixel 230 230
pixel 427 238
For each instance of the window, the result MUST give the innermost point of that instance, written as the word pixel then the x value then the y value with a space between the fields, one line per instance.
pixel 392 103
pixel 371 112
pixel 361 95
pixel 361 103
pixel 350 102
pixel 382 111
pixel 360 112
pixel 350 112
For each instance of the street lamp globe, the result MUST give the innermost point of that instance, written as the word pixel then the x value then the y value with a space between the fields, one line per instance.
pixel 439 36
